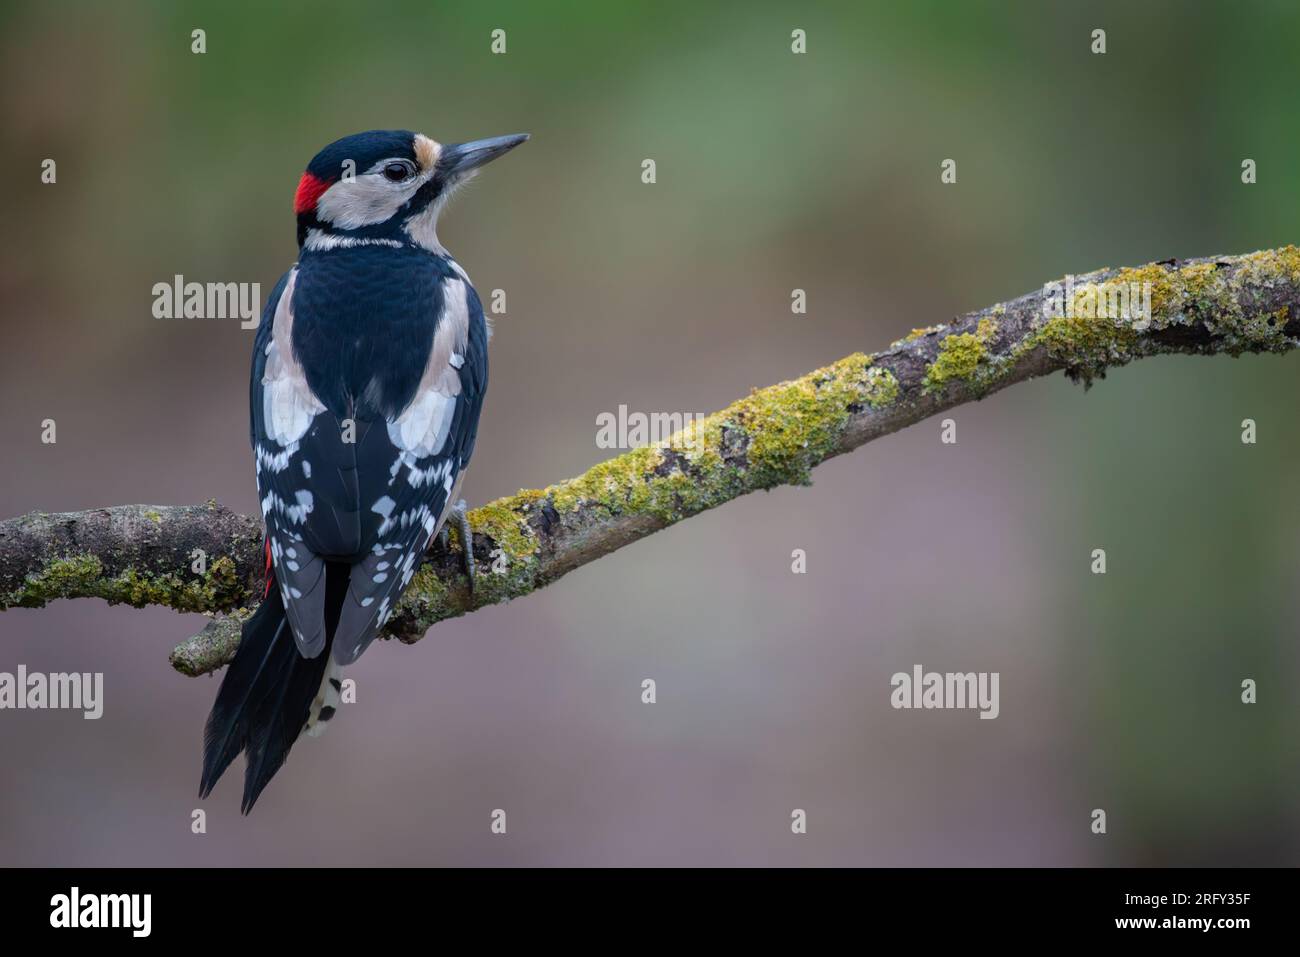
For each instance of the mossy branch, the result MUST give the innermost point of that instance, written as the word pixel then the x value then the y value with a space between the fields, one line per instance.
pixel 145 555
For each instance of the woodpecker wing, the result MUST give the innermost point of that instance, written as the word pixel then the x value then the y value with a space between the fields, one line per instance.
pixel 429 444
pixel 367 385
pixel 284 413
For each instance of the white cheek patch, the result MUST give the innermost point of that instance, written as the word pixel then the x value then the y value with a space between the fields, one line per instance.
pixel 362 201
pixel 367 198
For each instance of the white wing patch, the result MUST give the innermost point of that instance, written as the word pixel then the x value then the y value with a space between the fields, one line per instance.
pixel 421 429
pixel 288 402
pixel 384 506
pixel 296 513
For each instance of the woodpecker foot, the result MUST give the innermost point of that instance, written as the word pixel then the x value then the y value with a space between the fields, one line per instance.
pixel 460 515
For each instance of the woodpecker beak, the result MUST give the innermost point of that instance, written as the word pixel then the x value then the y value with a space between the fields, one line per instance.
pixel 458 159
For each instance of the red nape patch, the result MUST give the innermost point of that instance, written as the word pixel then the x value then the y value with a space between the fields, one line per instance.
pixel 309 189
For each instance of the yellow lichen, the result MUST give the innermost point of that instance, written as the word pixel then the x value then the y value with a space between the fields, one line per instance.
pixel 882 387
pixel 960 356
pixel 218 589
pixel 506 527
pixel 776 435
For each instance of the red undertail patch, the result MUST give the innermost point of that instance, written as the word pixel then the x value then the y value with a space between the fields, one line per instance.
pixel 269 577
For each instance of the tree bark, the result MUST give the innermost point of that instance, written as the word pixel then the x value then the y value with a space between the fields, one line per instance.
pixel 209 559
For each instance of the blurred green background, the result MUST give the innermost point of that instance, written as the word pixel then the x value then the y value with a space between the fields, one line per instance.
pixel 775 171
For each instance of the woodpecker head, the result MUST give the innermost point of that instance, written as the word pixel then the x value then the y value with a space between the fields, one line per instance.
pixel 386 185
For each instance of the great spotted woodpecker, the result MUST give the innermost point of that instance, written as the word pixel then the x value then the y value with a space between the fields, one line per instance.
pixel 369 370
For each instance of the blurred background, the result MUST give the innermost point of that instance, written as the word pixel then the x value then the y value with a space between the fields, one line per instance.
pixel 775 171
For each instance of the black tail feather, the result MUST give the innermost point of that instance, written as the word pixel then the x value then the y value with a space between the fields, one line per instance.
pixel 266 694
pixel 278 721
pixel 227 729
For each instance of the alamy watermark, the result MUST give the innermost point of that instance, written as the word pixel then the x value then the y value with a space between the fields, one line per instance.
pixel 75 909
pixel 1097 300
pixel 630 430
pixel 80 691
pixel 179 299
pixel 948 690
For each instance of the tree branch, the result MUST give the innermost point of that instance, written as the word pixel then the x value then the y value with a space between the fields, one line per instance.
pixel 145 555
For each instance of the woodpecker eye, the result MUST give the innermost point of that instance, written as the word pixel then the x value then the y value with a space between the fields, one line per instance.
pixel 396 172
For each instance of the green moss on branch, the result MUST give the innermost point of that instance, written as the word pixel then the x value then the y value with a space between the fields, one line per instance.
pixel 774 436
pixel 83 576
